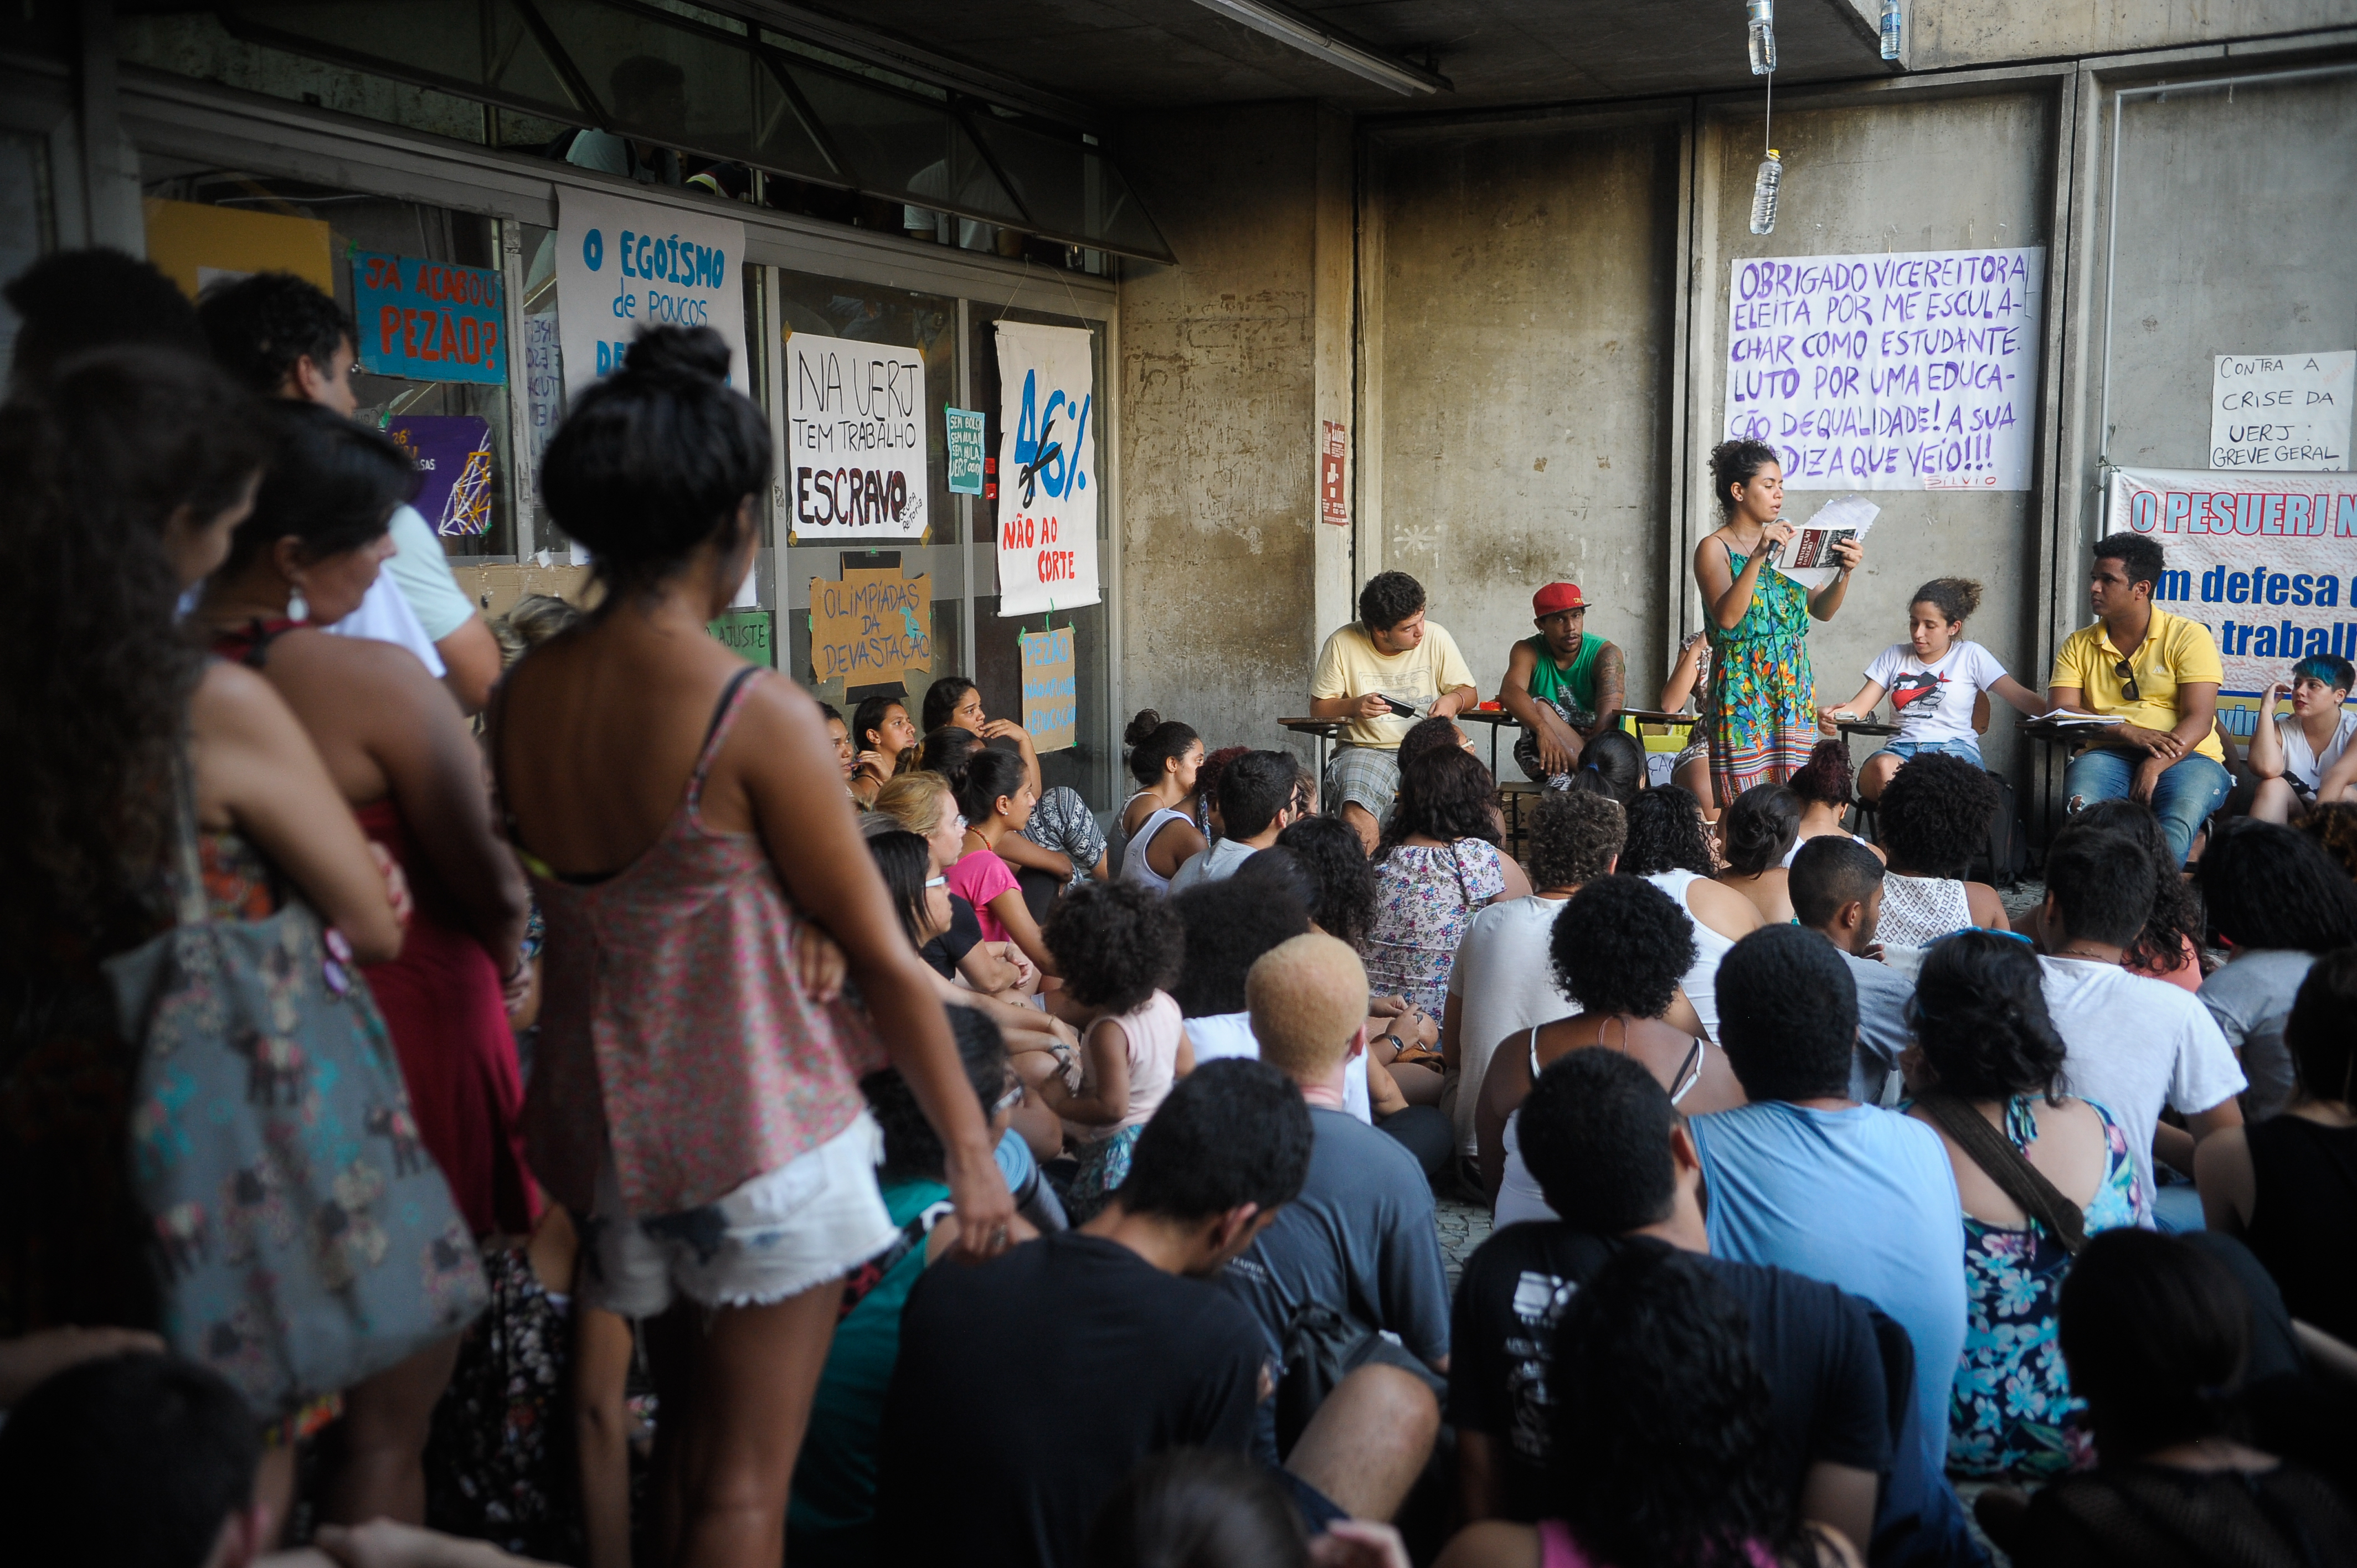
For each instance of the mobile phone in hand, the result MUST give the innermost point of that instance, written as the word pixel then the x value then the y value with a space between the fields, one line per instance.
pixel 1397 707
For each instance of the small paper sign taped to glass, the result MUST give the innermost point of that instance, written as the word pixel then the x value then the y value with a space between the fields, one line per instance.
pixel 1051 689
pixel 965 449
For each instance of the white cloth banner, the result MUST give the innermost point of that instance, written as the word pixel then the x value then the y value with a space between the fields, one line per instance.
pixel 855 440
pixel 624 265
pixel 1047 470
pixel 2263 560
pixel 1910 371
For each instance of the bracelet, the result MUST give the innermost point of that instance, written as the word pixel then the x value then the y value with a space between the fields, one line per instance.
pixel 1398 1045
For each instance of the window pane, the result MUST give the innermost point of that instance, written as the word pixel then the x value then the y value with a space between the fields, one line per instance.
pixel 1071 190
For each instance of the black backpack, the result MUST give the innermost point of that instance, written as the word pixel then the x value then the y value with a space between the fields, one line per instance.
pixel 2007 854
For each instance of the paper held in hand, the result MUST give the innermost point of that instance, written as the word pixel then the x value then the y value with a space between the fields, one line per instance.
pixel 2064 719
pixel 1807 557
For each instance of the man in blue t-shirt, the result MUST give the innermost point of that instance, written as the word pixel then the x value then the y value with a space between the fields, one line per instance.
pixel 1359 1241
pixel 1807 1179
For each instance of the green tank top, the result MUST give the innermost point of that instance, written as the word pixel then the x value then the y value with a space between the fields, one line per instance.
pixel 1578 682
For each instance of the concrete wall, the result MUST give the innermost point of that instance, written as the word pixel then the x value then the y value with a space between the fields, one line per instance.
pixel 1896 172
pixel 1518 299
pixel 1944 34
pixel 1219 385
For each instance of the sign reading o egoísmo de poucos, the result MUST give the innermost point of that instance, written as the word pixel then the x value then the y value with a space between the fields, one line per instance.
pixel 624 265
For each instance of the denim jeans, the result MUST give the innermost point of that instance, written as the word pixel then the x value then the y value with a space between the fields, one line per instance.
pixel 1906 750
pixel 2182 799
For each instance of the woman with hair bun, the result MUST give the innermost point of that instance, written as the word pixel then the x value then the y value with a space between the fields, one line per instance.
pixel 1160 820
pixel 1759 831
pixel 1761 710
pixel 1824 787
pixel 2038 1172
pixel 706 889
pixel 1934 679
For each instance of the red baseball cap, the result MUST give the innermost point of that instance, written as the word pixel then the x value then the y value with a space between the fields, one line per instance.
pixel 1555 598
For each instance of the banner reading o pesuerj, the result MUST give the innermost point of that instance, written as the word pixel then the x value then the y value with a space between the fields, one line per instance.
pixel 2268 562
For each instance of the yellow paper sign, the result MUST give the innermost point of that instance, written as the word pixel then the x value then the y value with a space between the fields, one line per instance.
pixel 871 628
pixel 193 244
pixel 1050 690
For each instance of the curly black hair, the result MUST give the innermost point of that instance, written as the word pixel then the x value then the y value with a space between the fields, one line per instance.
pixel 1447 795
pixel 1426 736
pixel 1825 776
pixel 1980 1016
pixel 1574 836
pixel 1734 463
pixel 912 1150
pixel 1229 925
pixel 1621 945
pixel 2141 560
pixel 1935 814
pixel 1787 1015
pixel 2269 887
pixel 2333 826
pixel 1335 859
pixel 1389 598
pixel 1612 765
pixel 1595 1135
pixel 1663 1445
pixel 2176 912
pixel 99 676
pixel 1117 943
pixel 1665 833
pixel 1954 597
pixel 1759 827
pixel 260 326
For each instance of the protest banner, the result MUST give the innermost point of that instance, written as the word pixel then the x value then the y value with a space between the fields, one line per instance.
pixel 2264 561
pixel 872 629
pixel 1047 470
pixel 624 265
pixel 965 441
pixel 747 631
pixel 2282 411
pixel 429 321
pixel 453 453
pixel 1050 688
pixel 1333 456
pixel 855 440
pixel 1914 370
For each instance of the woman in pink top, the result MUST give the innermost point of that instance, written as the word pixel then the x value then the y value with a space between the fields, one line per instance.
pixel 1661 1445
pixel 997 797
pixel 1117 945
pixel 696 1087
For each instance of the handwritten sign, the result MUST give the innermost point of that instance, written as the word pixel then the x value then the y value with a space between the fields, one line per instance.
pixel 1050 688
pixel 748 632
pixel 1331 458
pixel 1914 370
pixel 624 265
pixel 871 628
pixel 2287 411
pixel 855 439
pixel 2263 560
pixel 965 450
pixel 544 382
pixel 1046 470
pixel 452 454
pixel 429 321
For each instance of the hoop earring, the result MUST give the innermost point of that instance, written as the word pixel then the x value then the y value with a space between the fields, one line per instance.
pixel 298 609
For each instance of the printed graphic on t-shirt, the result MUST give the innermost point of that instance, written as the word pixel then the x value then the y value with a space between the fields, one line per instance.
pixel 1539 1301
pixel 1917 693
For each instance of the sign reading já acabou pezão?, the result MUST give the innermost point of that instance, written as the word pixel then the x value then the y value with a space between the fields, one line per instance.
pixel 428 321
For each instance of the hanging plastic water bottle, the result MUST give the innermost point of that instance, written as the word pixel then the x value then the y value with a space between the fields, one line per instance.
pixel 1891 25
pixel 1763 192
pixel 1763 36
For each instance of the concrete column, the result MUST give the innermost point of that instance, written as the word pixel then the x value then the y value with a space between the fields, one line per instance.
pixel 1334 286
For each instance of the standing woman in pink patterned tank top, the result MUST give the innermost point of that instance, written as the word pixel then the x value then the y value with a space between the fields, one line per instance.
pixel 695 1094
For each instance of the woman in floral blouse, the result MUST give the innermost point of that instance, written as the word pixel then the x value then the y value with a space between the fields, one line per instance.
pixel 1983 1037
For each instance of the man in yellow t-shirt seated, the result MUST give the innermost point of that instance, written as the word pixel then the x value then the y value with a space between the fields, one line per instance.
pixel 1382 673
pixel 2159 674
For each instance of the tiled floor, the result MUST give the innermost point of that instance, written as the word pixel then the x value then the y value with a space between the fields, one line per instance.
pixel 1463 1227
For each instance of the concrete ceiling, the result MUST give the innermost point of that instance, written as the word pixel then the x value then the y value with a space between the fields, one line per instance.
pixel 1119 55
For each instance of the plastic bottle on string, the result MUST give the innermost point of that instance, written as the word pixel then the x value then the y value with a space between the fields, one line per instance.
pixel 1763 192
pixel 1893 26
pixel 1763 36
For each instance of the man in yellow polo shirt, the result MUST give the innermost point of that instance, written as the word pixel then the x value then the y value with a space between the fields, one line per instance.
pixel 2159 674
pixel 1383 672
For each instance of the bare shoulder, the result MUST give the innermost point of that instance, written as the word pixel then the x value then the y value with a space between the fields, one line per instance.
pixel 778 705
pixel 1723 908
pixel 381 669
pixel 232 702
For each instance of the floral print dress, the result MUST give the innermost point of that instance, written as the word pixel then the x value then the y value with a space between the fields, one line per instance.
pixel 2012 1413
pixel 1762 716
pixel 1425 899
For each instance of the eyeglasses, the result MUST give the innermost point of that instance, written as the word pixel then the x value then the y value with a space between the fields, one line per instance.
pixel 2128 692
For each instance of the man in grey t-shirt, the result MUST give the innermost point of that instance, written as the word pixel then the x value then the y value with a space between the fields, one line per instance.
pixel 1836 885
pixel 1359 1239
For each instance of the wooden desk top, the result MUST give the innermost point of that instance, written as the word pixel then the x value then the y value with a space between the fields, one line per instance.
pixel 1328 727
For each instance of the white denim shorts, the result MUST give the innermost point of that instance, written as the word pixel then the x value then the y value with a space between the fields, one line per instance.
pixel 814 1219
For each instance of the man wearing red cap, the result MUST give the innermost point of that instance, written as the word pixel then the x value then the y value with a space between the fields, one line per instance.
pixel 1564 686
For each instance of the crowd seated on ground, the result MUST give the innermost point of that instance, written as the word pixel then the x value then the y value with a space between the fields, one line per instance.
pixel 1814 1186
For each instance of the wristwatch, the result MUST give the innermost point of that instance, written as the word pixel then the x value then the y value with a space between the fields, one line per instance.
pixel 1398 1045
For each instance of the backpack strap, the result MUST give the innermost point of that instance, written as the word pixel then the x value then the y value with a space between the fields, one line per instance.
pixel 2007 1167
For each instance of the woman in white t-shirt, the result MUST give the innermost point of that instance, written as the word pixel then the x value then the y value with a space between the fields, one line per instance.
pixel 2300 758
pixel 1934 679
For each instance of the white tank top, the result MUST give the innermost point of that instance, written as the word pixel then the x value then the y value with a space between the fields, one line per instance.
pixel 1134 865
pixel 1701 983
pixel 1919 910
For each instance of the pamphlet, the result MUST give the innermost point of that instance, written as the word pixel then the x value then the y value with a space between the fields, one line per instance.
pixel 1807 558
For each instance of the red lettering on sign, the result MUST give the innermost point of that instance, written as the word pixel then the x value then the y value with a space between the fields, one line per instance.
pixel 388 327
